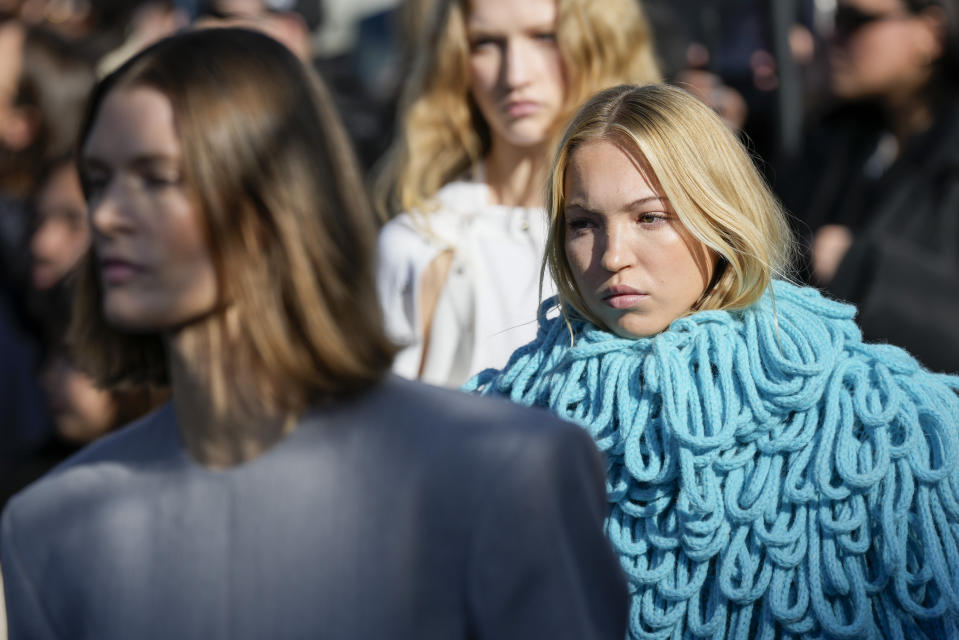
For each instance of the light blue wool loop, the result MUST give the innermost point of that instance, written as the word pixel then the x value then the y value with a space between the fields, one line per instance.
pixel 769 475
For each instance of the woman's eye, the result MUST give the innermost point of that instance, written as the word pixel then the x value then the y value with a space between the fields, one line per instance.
pixel 578 224
pixel 546 36
pixel 651 218
pixel 482 42
pixel 161 180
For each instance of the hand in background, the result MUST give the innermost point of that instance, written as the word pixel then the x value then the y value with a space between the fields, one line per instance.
pixel 829 246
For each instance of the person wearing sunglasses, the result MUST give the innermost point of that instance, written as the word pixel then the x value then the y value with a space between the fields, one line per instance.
pixel 877 188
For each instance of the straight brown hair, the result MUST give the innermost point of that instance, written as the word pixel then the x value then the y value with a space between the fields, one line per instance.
pixel 287 221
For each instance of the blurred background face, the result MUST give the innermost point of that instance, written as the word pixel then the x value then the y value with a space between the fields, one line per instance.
pixel 634 264
pixel 287 27
pixel 11 60
pixel 880 49
pixel 61 234
pixel 156 273
pixel 516 73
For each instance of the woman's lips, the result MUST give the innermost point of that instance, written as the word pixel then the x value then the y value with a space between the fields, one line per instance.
pixel 521 108
pixel 116 271
pixel 624 300
pixel 623 297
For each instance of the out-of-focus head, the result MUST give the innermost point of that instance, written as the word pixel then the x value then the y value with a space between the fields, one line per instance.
pixel 236 8
pixel 221 191
pixel 656 210
pixel 44 82
pixel 11 62
pixel 156 271
pixel 509 71
pixel 517 76
pixel 288 27
pixel 61 233
pixel 889 49
pixel 148 21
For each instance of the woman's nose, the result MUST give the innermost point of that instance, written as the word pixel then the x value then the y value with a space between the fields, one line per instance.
pixel 616 251
pixel 517 65
pixel 109 210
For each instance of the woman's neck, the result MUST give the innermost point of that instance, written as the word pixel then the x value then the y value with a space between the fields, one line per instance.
pixel 214 430
pixel 517 176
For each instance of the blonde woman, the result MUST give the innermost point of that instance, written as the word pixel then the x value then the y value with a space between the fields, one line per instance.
pixel 769 474
pixel 490 90
pixel 291 488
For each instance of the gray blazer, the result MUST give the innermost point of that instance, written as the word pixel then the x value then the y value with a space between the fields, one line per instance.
pixel 409 512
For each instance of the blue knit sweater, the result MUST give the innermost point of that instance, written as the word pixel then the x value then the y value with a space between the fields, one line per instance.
pixel 769 474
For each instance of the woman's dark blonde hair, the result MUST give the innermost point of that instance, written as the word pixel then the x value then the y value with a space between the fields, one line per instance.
pixel 707 176
pixel 288 226
pixel 441 130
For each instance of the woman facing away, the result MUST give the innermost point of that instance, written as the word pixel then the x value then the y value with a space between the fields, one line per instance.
pixel 769 474
pixel 291 488
pixel 490 91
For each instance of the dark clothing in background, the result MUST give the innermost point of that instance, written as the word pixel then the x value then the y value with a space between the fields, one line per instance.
pixel 24 421
pixel 832 181
pixel 410 512
pixel 902 271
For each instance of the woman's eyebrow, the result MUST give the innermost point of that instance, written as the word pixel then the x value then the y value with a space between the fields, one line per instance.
pixel 149 160
pixel 90 162
pixel 141 160
pixel 635 204
pixel 579 206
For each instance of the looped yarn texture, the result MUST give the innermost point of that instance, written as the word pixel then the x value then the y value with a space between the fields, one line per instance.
pixel 769 475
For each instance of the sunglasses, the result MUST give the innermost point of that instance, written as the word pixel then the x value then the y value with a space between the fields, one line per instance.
pixel 849 19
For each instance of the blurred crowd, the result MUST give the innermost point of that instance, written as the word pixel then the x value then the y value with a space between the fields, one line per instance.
pixel 849 107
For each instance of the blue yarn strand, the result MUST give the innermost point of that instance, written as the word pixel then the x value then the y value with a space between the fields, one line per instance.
pixel 769 475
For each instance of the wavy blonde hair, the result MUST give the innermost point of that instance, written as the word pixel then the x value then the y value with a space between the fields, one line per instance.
pixel 707 176
pixel 441 131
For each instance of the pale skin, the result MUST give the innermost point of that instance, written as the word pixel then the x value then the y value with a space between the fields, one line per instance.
pixel 635 265
pixel 155 268
pixel 519 83
pixel 62 234
pixel 518 80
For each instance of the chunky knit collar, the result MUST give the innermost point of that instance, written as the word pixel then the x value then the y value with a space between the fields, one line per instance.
pixel 768 473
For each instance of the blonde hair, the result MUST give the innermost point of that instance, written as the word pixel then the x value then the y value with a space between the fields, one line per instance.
pixel 288 227
pixel 705 173
pixel 441 131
